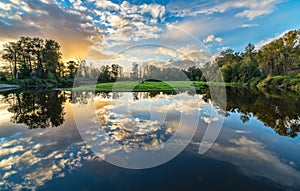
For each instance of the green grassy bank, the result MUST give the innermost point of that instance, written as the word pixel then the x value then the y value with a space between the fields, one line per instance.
pixel 150 86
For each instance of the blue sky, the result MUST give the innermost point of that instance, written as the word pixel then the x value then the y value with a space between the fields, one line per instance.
pixel 110 26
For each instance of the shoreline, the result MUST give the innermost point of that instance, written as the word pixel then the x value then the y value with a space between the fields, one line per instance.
pixel 142 86
pixel 8 87
pixel 131 86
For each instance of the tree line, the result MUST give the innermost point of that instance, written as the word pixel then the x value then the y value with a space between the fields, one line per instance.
pixel 29 57
pixel 280 57
pixel 35 58
pixel 146 71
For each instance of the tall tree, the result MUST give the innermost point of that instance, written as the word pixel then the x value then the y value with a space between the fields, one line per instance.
pixel 38 45
pixel 135 71
pixel 51 57
pixel 12 54
pixel 72 67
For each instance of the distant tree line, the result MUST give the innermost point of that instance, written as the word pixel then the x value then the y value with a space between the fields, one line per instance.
pixel 103 74
pixel 31 58
pixel 149 71
pixel 279 57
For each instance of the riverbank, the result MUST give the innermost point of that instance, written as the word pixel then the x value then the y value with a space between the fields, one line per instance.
pixel 131 86
pixel 276 83
pixel 38 83
pixel 281 83
pixel 7 87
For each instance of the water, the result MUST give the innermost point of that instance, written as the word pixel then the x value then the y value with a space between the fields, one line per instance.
pixel 42 148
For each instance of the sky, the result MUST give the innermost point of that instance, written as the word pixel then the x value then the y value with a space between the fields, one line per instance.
pixel 105 29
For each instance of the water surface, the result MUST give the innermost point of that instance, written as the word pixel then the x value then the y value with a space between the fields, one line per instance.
pixel 42 149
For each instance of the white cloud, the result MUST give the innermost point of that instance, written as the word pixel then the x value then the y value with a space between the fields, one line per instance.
pixel 249 25
pixel 4 114
pixel 248 9
pixel 167 51
pixel 14 9
pixel 6 6
pixel 212 38
pixel 6 151
pixel 113 25
pixel 258 8
pixel 16 2
pixel 134 132
pixel 242 131
pixel 138 11
pixel 32 164
pixel 262 43
pixel 106 4
pixel 266 41
pixel 46 1
pixel 218 39
pixel 129 23
pixel 198 56
pixel 130 30
pixel 199 28
pixel 255 161
pixel 157 11
pixel 70 27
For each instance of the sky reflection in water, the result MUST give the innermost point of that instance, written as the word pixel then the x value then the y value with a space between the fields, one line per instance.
pixel 39 158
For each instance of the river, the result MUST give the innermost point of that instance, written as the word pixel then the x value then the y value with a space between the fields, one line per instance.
pixel 62 140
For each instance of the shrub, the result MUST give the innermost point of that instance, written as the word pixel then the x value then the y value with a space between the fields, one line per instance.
pixel 296 88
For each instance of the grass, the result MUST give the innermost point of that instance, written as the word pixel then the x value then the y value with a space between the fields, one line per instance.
pixel 40 82
pixel 131 86
pixel 281 82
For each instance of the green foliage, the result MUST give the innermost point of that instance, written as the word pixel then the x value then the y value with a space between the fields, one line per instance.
pixel 140 86
pixel 4 77
pixel 35 58
pixel 263 67
pixel 147 71
pixel 296 88
pixel 269 107
pixel 134 86
pixel 105 74
pixel 51 58
pixel 237 67
pixel 32 57
pixel 281 82
pixel 193 73
pixel 281 56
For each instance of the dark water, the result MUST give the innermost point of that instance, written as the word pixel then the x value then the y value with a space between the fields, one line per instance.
pixel 258 147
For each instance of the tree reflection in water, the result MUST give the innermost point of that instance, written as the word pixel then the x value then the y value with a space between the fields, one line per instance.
pixel 42 109
pixel 281 112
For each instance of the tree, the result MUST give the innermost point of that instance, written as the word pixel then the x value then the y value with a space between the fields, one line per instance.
pixel 249 50
pixel 194 73
pixel 24 56
pixel 248 67
pixel 116 71
pixel 228 56
pixel 104 74
pixel 135 71
pixel 280 56
pixel 12 54
pixel 38 45
pixel 72 67
pixel 51 57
